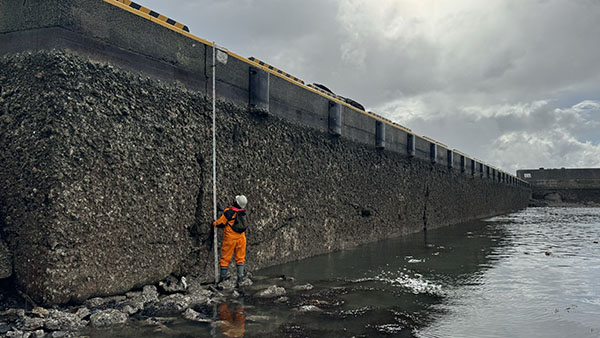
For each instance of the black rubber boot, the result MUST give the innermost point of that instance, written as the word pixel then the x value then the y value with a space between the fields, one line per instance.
pixel 222 274
pixel 240 274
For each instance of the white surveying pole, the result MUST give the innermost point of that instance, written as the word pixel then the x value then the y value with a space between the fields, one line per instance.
pixel 219 54
pixel 214 155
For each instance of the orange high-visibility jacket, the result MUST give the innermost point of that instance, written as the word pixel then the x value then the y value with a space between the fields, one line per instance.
pixel 234 243
pixel 230 216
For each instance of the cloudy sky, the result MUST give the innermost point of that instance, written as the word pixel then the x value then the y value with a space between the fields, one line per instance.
pixel 515 83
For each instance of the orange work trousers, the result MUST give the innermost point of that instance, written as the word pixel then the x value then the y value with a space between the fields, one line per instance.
pixel 233 246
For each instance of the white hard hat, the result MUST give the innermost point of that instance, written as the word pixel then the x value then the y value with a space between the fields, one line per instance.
pixel 241 200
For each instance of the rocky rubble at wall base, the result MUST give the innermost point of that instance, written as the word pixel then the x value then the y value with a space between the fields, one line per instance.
pixel 160 310
pixel 151 305
pixel 156 306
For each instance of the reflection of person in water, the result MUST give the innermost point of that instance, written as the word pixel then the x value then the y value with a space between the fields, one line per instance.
pixel 232 326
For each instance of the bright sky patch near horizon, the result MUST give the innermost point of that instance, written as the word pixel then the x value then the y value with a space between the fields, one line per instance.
pixel 515 83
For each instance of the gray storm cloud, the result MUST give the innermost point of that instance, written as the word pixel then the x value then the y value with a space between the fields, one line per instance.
pixel 513 83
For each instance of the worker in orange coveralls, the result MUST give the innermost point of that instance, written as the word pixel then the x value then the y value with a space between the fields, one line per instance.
pixel 232 326
pixel 234 223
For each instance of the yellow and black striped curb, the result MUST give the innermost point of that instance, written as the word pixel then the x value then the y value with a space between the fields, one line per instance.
pixel 329 94
pixel 264 64
pixel 184 30
pixel 430 140
pixel 143 11
pixel 154 14
pixel 322 91
pixel 325 92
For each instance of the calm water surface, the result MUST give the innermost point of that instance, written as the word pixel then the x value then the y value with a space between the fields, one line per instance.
pixel 535 273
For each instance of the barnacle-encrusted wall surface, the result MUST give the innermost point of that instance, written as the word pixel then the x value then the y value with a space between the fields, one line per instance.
pixel 106 180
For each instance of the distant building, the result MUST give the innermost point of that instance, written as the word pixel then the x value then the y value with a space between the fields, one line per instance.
pixel 564 185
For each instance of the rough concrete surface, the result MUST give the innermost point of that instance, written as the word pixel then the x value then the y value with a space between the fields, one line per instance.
pixel 5 261
pixel 107 181
pixel 96 182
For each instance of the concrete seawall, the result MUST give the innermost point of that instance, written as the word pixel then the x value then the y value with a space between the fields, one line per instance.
pixel 106 145
pixel 564 185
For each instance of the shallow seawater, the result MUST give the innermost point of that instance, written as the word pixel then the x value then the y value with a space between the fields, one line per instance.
pixel 534 273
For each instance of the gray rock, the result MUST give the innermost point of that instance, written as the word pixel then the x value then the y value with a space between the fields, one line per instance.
pixel 136 304
pixel 149 294
pixel 4 328
pixel 40 311
pixel 246 282
pixel 195 286
pixel 28 334
pixel 131 310
pixel 58 320
pixel 305 287
pixel 282 299
pixel 83 312
pixel 38 334
pixel 176 302
pixel 228 284
pixel 192 315
pixel 199 298
pixel 108 318
pixel 135 300
pixel 17 334
pixel 32 324
pixel 95 302
pixel 172 284
pixel 309 308
pixel 217 298
pixel 271 292
pixel 204 291
pixel 13 314
pixel 172 305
